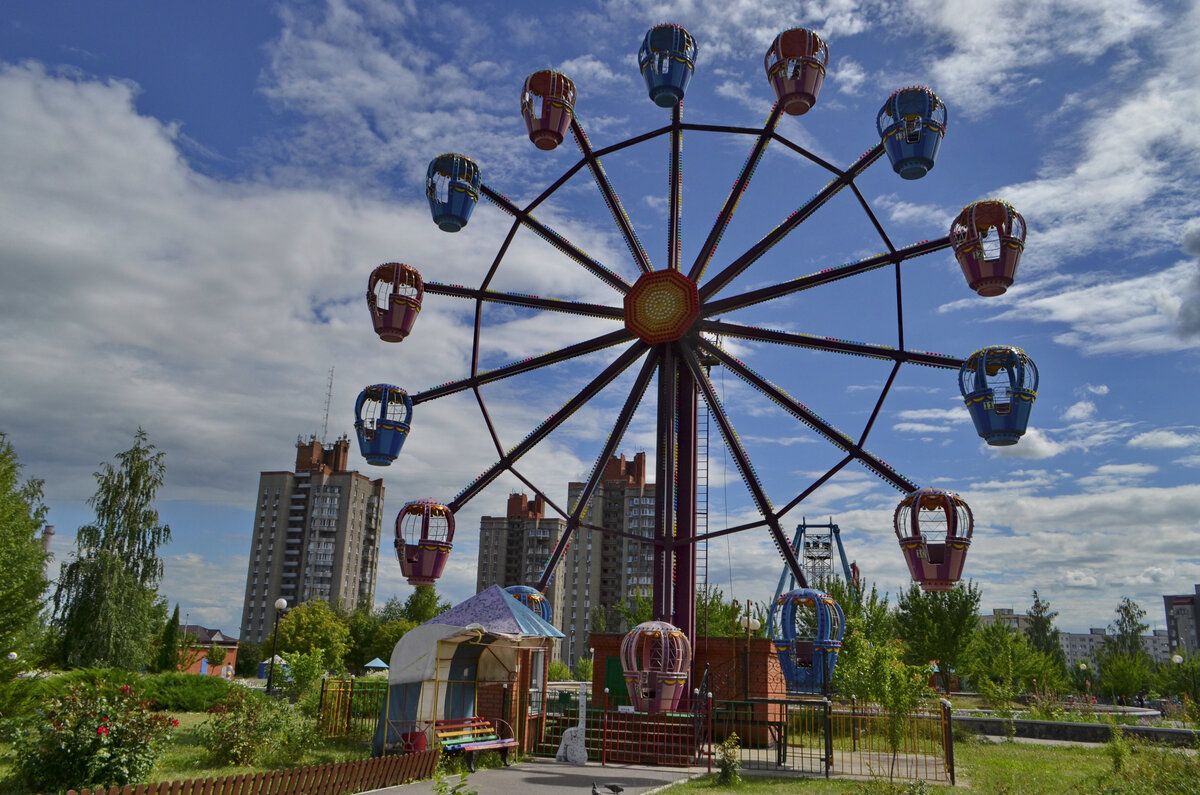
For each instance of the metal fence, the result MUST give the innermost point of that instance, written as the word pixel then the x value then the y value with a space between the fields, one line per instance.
pixel 351 707
pixel 778 737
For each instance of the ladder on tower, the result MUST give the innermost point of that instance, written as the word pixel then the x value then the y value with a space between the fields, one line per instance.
pixel 701 553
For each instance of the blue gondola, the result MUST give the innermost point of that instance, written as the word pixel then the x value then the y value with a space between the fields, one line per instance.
pixel 999 385
pixel 809 626
pixel 382 416
pixel 452 185
pixel 912 124
pixel 667 60
pixel 531 598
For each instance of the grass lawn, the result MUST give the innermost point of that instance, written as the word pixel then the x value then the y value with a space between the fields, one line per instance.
pixel 1015 768
pixel 186 758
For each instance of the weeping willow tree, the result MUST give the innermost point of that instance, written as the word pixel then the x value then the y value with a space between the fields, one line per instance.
pixel 106 608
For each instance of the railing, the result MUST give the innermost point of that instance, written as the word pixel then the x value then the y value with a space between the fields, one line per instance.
pixel 336 779
pixel 778 737
pixel 351 707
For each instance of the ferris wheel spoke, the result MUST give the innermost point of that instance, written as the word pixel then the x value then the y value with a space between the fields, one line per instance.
pixel 636 393
pixel 525 365
pixel 816 484
pixel 742 461
pixel 802 214
pixel 752 297
pixel 809 418
pixel 522 299
pixel 556 419
pixel 727 329
pixel 674 244
pixel 611 199
pixel 735 195
pixel 558 241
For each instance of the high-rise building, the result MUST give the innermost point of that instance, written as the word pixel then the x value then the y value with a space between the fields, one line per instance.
pixel 601 570
pixel 316 536
pixel 1183 622
pixel 513 548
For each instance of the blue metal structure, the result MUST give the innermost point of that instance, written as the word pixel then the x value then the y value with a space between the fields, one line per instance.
pixel 999 385
pixel 382 417
pixel 531 598
pixel 452 185
pixel 815 553
pixel 667 60
pixel 808 636
pixel 912 124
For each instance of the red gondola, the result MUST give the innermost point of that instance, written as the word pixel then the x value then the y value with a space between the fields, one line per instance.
pixel 394 294
pixel 548 121
pixel 988 237
pixel 424 531
pixel 795 65
pixel 934 527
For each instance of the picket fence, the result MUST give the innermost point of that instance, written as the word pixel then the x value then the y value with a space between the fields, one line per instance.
pixel 334 779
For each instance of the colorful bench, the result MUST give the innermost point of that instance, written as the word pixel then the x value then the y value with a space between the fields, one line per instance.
pixel 468 735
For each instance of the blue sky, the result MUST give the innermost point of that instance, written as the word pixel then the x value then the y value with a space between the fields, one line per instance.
pixel 192 201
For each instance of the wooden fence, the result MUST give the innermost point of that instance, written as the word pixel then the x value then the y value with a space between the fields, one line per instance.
pixel 336 779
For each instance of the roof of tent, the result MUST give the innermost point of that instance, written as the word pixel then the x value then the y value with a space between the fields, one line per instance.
pixel 498 613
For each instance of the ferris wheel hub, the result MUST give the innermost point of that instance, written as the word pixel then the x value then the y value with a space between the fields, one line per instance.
pixel 661 306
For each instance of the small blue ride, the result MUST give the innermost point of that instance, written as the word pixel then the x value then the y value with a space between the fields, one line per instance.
pixel 667 60
pixel 382 417
pixel 999 385
pixel 808 629
pixel 452 185
pixel 912 124
pixel 531 598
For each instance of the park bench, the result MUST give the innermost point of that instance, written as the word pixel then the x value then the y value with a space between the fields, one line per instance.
pixel 468 735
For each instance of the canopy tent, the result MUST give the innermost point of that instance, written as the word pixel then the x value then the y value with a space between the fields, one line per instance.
pixel 436 668
pixel 376 663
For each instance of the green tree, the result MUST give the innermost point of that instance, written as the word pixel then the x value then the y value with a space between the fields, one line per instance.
pixel 250 654
pixel 372 635
pixel 936 626
pixel 1001 664
pixel 423 604
pixel 878 619
pixel 23 586
pixel 715 617
pixel 311 626
pixel 167 657
pixel 1122 675
pixel 1043 635
pixel 1125 633
pixel 216 655
pixel 106 607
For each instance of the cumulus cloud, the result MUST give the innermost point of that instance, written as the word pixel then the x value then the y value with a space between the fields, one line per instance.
pixel 1082 410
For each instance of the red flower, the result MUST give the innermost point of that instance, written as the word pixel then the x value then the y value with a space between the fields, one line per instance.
pixel 174 722
pixel 102 730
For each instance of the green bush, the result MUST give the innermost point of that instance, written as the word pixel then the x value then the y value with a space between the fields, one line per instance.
pixel 94 734
pixel 178 692
pixel 558 671
pixel 239 728
pixel 58 685
pixel 729 759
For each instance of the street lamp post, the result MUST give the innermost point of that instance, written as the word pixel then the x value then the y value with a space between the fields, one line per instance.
pixel 280 607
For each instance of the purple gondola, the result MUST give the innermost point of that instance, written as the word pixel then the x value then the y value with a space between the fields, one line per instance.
pixel 424 532
pixel 988 237
pixel 656 657
pixel 934 527
pixel 394 293
pixel 795 65
pixel 547 105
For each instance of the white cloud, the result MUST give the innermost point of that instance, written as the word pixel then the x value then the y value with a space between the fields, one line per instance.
pixel 1083 410
pixel 590 70
pixel 848 75
pixel 1163 440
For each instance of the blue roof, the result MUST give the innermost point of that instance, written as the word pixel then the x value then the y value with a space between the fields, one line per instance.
pixel 500 613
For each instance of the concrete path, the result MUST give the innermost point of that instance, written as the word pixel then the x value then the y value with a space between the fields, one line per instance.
pixel 547 777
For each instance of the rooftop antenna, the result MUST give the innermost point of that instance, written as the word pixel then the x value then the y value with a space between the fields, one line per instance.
pixel 328 400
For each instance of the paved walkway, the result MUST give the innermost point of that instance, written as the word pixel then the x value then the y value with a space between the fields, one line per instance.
pixel 547 777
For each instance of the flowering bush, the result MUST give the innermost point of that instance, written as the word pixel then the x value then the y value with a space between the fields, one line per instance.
pixel 97 734
pixel 239 727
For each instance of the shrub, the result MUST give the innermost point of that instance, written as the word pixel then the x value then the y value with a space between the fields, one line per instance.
pixel 58 685
pixel 184 692
pixel 238 726
pixel 558 671
pixel 729 760
pixel 93 734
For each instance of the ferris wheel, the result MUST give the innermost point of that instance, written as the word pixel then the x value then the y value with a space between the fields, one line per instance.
pixel 666 321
